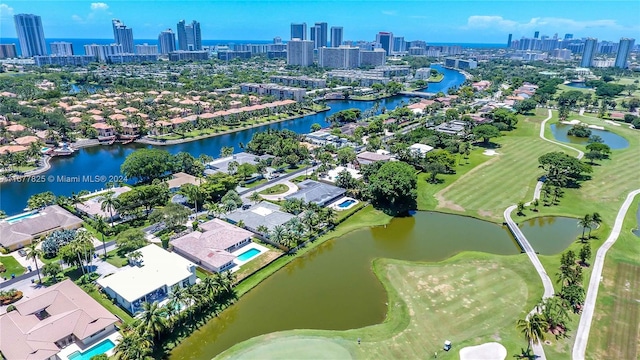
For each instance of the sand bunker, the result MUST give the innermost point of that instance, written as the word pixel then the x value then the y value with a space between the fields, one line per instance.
pixel 486 351
pixel 490 152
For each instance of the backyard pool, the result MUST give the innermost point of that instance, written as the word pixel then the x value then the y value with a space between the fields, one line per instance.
pixel 247 255
pixel 101 348
pixel 345 204
pixel 17 218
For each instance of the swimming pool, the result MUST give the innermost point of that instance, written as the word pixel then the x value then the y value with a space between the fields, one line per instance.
pixel 101 348
pixel 17 218
pixel 346 203
pixel 247 255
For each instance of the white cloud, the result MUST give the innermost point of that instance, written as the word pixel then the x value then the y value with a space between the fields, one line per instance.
pixel 99 6
pixel 389 12
pixel 476 22
pixel 5 11
pixel 77 18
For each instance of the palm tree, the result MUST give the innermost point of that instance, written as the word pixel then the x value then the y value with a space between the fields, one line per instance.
pixel 278 234
pixel 110 203
pixel 240 224
pixel 101 226
pixel 533 329
pixel 263 230
pixel 226 151
pixel 255 197
pixel 33 253
pixel 132 346
pixel 153 319
pixel 309 219
pixel 596 220
pixel 585 222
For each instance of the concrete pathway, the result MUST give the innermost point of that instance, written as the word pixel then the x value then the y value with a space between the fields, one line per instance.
pixel 542 127
pixel 582 333
pixel 276 197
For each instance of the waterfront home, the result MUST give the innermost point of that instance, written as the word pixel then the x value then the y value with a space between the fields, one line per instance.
pixel 332 175
pixel 26 140
pixel 179 179
pixel 92 206
pixel 420 149
pixel 311 191
pixel 222 164
pixel 151 276
pixel 20 230
pixel 15 128
pixel 212 248
pixel 12 149
pixel 52 319
pixel 262 214
pixel 104 130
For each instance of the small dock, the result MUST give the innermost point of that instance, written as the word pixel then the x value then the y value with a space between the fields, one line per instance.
pixel 418 94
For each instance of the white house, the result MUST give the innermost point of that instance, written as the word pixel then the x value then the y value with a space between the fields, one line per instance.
pixel 153 277
pixel 420 149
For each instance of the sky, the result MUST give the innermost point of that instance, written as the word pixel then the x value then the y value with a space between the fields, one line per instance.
pixel 476 21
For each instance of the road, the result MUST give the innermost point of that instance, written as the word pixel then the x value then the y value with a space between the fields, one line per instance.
pixel 584 327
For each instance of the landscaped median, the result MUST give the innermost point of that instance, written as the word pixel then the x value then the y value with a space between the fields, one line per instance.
pixel 469 299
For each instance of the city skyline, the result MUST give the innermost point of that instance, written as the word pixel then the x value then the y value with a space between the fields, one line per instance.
pixel 466 21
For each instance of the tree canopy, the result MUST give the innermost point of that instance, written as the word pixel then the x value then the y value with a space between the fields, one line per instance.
pixel 562 169
pixel 147 164
pixel 486 132
pixel 393 187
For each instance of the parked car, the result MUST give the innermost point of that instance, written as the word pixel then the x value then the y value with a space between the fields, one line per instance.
pixel 22 252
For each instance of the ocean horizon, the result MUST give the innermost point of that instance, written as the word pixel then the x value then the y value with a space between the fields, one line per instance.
pixel 78 43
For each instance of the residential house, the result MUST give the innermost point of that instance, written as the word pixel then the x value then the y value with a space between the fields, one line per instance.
pixel 262 214
pixel 311 191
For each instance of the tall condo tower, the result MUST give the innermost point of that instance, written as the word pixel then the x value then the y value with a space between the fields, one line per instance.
pixel 123 35
pixel 385 39
pixel 299 31
pixel 337 35
pixel 624 48
pixel 30 35
pixel 189 36
pixel 167 41
pixel 590 47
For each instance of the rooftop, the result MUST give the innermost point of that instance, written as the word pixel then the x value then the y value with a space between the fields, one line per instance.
pixel 159 268
pixel 262 214
pixel 180 179
pixel 316 192
pixel 48 219
pixel 28 335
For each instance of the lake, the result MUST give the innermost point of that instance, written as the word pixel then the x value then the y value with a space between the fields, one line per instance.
pixel 615 141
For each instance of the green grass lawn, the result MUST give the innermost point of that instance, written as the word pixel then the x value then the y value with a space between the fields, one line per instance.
pixel 428 303
pixel 12 266
pixel 504 180
pixel 275 190
pixel 109 305
pixel 115 259
pixel 255 183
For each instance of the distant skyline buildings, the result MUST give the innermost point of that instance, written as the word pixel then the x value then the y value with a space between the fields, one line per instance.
pixel 300 52
pixel 589 52
pixel 624 49
pixel 189 36
pixel 167 41
pixel 298 31
pixel 337 36
pixel 61 48
pixel 123 35
pixel 385 40
pixel 30 34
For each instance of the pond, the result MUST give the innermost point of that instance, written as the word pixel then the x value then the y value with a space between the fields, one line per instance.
pixel 579 85
pixel 614 141
pixel 551 235
pixel 333 287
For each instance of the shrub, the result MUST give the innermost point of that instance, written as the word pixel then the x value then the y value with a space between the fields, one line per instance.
pixel 57 239
pixel 10 308
pixel 2 268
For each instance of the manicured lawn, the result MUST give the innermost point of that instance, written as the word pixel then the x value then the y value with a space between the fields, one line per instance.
pixel 617 312
pixel 109 305
pixel 504 180
pixel 470 299
pixel 115 259
pixel 255 183
pixel 275 190
pixel 12 265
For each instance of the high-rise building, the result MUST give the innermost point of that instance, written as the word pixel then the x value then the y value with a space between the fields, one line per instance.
pixel 123 35
pixel 167 41
pixel 337 33
pixel 30 34
pixel 568 36
pixel 590 47
pixel 299 31
pixel 61 48
pixel 102 52
pixel 8 51
pixel 376 57
pixel 277 40
pixel 536 34
pixel 343 57
pixel 385 39
pixel 189 36
pixel 146 49
pixel 321 34
pixel 399 45
pixel 300 52
pixel 624 48
pixel 509 40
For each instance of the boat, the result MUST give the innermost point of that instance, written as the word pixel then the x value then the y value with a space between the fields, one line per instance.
pixel 63 150
pixel 128 141
pixel 106 140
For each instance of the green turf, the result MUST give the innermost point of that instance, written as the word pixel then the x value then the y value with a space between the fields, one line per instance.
pixel 275 189
pixel 12 266
pixel 428 303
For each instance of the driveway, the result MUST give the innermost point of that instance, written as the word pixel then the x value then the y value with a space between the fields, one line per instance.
pixel 276 197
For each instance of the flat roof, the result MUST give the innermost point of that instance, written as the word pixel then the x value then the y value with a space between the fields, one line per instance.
pixel 160 268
